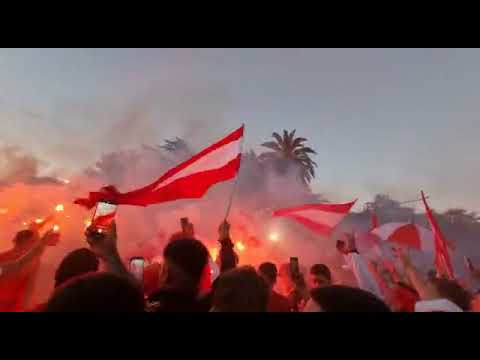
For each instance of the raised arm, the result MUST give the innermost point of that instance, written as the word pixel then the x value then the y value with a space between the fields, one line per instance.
pixel 425 289
pixel 228 259
pixel 358 265
pixel 103 242
pixel 37 247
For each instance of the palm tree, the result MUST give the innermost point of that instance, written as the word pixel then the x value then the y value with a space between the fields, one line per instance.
pixel 176 144
pixel 287 150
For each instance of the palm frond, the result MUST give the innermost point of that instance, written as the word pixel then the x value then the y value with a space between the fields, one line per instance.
pixel 308 150
pixel 272 145
pixel 298 141
pixel 278 138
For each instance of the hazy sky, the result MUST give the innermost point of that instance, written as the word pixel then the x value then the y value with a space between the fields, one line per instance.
pixel 381 120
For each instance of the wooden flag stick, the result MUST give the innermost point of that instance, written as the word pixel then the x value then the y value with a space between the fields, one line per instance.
pixel 234 187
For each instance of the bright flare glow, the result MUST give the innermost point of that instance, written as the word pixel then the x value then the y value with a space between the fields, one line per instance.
pixel 214 253
pixel 274 237
pixel 59 207
pixel 240 246
pixel 3 211
pixel 25 223
pixel 87 222
pixel 38 221
pixel 56 227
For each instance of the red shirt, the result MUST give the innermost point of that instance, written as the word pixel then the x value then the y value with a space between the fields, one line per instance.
pixel 277 303
pixel 14 286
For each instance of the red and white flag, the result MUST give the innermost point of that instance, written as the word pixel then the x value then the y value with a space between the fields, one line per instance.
pixel 191 179
pixel 442 258
pixel 321 218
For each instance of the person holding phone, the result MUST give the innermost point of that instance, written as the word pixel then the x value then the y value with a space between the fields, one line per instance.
pixel 358 265
pixel 103 242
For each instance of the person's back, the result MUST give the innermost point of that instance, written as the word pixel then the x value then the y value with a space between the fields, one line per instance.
pixel 240 290
pixel 97 292
pixel 276 302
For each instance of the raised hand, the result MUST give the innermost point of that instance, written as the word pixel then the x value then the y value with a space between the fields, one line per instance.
pixel 51 238
pixel 103 242
pixel 224 230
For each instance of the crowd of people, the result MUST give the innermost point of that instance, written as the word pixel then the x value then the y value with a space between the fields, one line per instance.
pixel 95 279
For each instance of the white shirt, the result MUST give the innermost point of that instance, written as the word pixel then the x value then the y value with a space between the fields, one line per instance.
pixel 364 277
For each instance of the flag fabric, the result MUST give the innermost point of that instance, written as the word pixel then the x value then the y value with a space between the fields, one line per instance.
pixel 104 215
pixel 320 218
pixel 442 258
pixel 191 179
pixel 406 234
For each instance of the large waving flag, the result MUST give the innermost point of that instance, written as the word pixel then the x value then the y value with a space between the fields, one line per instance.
pixel 442 258
pixel 321 218
pixel 191 179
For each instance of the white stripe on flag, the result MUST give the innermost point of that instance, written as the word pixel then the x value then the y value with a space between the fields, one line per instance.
pixel 384 231
pixel 327 218
pixel 212 161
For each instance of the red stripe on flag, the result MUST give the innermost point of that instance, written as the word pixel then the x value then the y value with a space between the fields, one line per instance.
pixel 407 235
pixel 335 208
pixel 237 134
pixel 189 184
pixel 190 187
pixel 317 227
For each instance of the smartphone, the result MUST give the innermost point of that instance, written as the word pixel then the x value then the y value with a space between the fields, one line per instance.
pixel 104 214
pixel 294 266
pixel 137 266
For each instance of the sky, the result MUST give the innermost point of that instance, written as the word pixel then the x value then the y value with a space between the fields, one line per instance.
pixel 382 120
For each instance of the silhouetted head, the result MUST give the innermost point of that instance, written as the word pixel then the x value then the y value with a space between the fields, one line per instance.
pixel 77 262
pixel 320 276
pixel 97 292
pixel 23 237
pixel 184 263
pixel 240 290
pixel 338 298
pixel 268 271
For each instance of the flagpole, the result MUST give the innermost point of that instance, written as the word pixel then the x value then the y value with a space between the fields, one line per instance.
pixel 234 187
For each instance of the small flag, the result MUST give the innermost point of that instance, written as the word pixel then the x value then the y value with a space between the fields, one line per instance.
pixel 321 218
pixel 442 258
